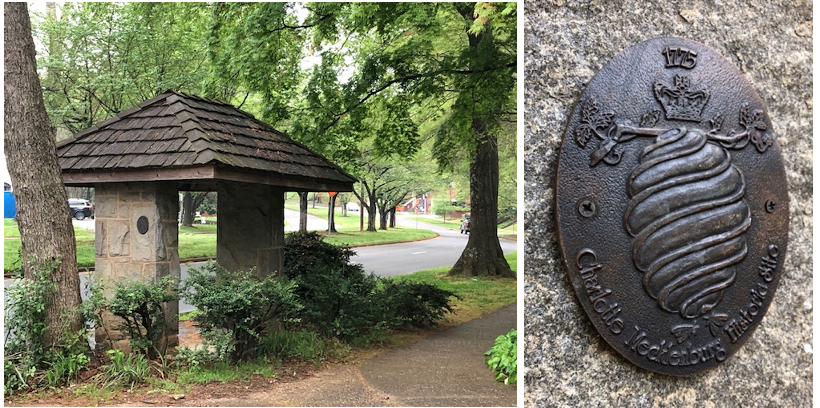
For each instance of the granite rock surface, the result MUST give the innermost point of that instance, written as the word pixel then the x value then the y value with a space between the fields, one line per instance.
pixel 566 43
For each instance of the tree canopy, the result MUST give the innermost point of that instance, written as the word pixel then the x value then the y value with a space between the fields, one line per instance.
pixel 368 85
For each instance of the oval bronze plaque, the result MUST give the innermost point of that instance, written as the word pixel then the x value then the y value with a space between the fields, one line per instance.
pixel 142 225
pixel 671 206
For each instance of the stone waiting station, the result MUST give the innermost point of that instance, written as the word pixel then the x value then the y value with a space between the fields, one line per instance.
pixel 138 160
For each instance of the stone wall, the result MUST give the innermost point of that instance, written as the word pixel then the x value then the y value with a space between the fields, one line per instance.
pixel 123 253
pixel 566 43
pixel 250 227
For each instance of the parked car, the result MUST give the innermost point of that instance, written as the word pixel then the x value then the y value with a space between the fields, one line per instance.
pixel 351 206
pixel 80 208
pixel 465 224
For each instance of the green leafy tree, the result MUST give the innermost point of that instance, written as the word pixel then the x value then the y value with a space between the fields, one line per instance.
pixel 378 61
pixel 462 54
pixel 105 57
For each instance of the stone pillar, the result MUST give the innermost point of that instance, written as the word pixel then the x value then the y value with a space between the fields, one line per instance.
pixel 250 230
pixel 136 239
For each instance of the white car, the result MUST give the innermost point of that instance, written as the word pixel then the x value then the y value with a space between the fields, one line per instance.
pixel 351 206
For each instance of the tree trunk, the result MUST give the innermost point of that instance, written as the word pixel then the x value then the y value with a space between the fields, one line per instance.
pixel 187 209
pixel 331 214
pixel 393 217
pixel 371 211
pixel 303 203
pixel 45 226
pixel 483 255
pixel 382 217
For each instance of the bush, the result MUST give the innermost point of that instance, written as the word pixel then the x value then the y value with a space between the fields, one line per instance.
pixel 343 301
pixel 339 297
pixel 502 357
pixel 140 305
pixel 306 250
pixel 237 308
pixel 29 362
pixel 415 304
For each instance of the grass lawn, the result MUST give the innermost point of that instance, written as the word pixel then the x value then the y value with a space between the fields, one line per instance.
pixel 455 224
pixel 199 241
pixel 11 246
pixel 451 223
pixel 349 222
pixel 479 296
pixel 390 236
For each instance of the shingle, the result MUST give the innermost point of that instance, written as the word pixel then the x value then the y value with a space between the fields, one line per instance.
pixel 177 130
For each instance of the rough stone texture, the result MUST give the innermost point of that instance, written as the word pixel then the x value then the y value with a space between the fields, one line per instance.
pixel 566 43
pixel 123 254
pixel 250 227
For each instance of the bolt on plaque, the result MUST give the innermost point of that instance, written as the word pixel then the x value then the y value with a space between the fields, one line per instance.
pixel 672 206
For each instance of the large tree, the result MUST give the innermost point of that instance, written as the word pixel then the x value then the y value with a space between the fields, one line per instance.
pixel 460 53
pixel 106 57
pixel 46 232
pixel 378 62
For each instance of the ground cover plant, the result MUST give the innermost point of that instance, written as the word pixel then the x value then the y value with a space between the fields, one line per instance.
pixel 28 361
pixel 502 357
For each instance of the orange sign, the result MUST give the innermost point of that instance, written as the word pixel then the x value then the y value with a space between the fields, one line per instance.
pixel 332 193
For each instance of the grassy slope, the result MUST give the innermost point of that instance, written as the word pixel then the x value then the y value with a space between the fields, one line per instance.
pixel 479 296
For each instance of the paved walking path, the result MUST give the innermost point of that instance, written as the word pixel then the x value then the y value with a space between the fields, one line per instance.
pixel 445 369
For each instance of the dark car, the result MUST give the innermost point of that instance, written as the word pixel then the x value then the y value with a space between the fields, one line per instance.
pixel 465 224
pixel 80 208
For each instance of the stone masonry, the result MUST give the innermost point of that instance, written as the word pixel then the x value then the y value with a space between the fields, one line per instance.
pixel 123 253
pixel 250 227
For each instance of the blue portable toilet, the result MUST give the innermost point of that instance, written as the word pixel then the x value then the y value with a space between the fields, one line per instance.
pixel 9 205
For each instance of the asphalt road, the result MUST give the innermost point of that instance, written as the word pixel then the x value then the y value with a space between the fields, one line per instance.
pixel 382 260
pixel 401 259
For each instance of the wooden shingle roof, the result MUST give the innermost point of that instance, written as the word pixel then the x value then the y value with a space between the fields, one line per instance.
pixel 176 136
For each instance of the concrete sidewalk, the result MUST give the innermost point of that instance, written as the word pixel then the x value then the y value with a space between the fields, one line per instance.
pixel 444 369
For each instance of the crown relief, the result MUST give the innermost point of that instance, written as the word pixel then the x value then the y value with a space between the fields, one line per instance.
pixel 681 102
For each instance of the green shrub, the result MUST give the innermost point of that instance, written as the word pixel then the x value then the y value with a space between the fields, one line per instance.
pixel 343 301
pixel 27 361
pixel 237 308
pixel 128 371
pixel 306 250
pixel 415 304
pixel 140 305
pixel 338 296
pixel 502 357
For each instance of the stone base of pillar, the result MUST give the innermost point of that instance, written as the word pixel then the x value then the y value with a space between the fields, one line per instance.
pixel 136 238
pixel 250 227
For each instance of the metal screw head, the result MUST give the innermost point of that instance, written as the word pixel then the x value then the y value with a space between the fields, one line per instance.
pixel 770 206
pixel 586 208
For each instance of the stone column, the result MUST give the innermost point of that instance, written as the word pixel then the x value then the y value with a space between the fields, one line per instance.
pixel 136 239
pixel 250 230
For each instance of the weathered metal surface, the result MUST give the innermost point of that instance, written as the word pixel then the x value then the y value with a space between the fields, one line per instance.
pixel 672 206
